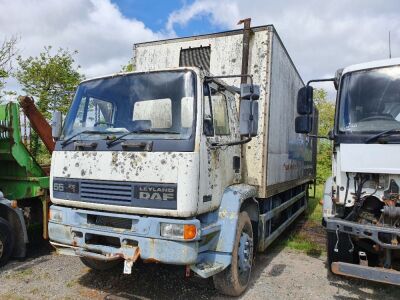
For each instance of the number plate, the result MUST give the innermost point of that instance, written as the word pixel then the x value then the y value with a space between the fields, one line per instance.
pixel 66 187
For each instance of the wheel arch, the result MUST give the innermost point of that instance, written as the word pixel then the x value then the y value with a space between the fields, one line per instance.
pixel 16 219
pixel 236 198
pixel 250 205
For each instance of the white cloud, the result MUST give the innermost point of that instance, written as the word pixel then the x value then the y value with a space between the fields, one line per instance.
pixel 208 8
pixel 321 36
pixel 96 28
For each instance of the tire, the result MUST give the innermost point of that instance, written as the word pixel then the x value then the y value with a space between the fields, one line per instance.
pixel 344 247
pixel 6 241
pixel 234 280
pixel 100 265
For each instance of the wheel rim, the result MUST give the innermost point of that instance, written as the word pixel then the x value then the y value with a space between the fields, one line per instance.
pixel 245 256
pixel 1 248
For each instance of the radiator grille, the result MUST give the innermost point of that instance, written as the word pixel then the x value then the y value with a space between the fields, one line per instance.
pixel 106 191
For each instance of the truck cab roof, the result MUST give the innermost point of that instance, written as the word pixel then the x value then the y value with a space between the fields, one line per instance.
pixel 372 64
pixel 195 69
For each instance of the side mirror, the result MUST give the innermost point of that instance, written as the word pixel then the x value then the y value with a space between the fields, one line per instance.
pixel 208 128
pixel 303 124
pixel 248 118
pixel 249 92
pixel 56 125
pixel 305 100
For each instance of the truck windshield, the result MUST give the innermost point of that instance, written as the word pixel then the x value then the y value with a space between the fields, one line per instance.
pixel 370 101
pixel 154 105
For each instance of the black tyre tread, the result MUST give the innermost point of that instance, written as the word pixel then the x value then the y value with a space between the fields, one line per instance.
pixel 100 265
pixel 7 239
pixel 227 282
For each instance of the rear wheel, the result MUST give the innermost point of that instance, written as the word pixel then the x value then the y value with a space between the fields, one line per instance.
pixel 344 247
pixel 234 279
pixel 6 241
pixel 100 265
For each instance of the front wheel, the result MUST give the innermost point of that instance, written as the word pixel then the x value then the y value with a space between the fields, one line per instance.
pixel 234 279
pixel 100 265
pixel 6 241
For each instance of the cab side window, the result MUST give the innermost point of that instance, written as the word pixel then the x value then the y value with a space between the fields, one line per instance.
pixel 220 112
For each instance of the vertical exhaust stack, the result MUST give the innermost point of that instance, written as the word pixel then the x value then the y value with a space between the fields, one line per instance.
pixel 246 47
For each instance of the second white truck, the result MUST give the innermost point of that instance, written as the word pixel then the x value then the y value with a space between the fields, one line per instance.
pixel 191 160
pixel 361 209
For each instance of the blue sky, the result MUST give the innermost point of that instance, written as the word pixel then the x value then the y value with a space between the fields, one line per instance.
pixel 155 13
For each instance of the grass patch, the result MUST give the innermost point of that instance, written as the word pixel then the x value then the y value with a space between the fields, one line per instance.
pixel 303 243
pixel 10 296
pixel 308 236
pixel 71 283
pixel 314 208
pixel 20 274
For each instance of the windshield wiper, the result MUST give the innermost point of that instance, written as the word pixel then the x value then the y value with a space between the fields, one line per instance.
pixel 71 138
pixel 111 142
pixel 386 132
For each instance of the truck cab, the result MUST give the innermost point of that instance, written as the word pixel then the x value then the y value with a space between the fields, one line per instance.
pixel 140 156
pixel 361 207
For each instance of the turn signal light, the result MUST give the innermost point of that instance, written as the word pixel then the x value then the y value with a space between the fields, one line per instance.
pixel 189 231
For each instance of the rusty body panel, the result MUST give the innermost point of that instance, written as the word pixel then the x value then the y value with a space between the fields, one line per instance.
pixel 367 273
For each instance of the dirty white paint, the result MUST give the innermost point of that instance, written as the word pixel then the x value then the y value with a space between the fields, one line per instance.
pixel 289 155
pixel 279 82
pixel 157 167
pixel 216 172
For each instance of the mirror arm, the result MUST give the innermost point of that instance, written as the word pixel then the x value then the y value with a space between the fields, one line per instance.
pixel 318 136
pixel 241 142
pixel 210 78
pixel 321 80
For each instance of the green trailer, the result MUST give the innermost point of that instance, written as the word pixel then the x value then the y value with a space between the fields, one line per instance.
pixel 24 187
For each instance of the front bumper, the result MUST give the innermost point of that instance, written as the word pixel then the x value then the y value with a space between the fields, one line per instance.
pixel 75 235
pixel 377 234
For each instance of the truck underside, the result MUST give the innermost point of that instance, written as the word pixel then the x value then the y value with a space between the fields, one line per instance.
pixel 363 239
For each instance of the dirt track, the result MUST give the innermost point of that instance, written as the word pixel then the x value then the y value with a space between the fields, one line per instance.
pixel 279 274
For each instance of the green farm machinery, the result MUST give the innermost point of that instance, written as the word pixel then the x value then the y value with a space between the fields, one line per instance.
pixel 24 184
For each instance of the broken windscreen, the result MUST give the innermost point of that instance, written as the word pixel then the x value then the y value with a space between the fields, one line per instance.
pixel 154 105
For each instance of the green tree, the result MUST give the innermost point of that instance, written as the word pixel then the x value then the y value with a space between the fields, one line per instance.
pixel 128 67
pixel 326 111
pixel 51 79
pixel 8 51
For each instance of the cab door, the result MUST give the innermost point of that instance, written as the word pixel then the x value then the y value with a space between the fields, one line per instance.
pixel 219 163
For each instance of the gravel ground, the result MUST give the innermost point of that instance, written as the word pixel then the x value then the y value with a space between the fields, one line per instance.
pixel 280 273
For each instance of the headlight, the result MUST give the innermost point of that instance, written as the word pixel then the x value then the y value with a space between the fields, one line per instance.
pixel 56 215
pixel 178 231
